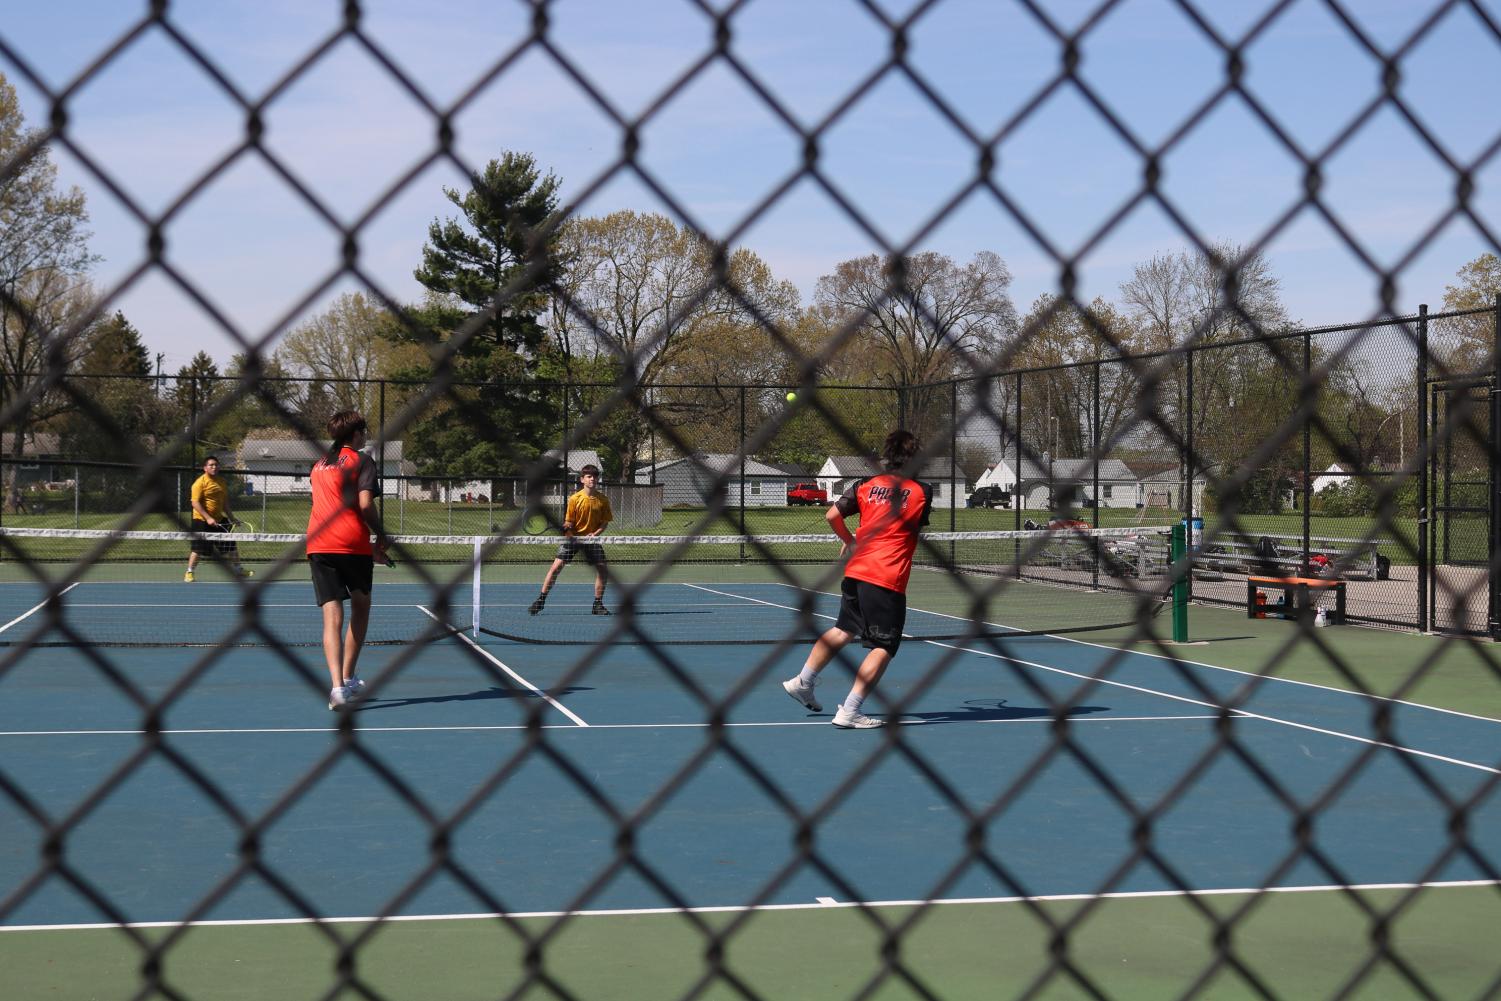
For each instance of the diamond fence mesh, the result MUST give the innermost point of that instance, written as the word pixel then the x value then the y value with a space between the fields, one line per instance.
pixel 1360 455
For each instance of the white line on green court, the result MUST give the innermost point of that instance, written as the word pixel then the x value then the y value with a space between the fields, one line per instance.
pixel 818 904
pixel 506 668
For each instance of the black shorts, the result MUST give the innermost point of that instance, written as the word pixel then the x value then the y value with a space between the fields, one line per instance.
pixel 335 575
pixel 211 547
pixel 874 613
pixel 594 553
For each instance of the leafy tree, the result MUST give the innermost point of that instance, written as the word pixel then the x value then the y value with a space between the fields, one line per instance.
pixel 1242 395
pixel 351 346
pixel 486 275
pixel 1059 338
pixel 641 291
pixel 265 403
pixel 921 320
pixel 115 371
pixel 43 294
pixel 1463 344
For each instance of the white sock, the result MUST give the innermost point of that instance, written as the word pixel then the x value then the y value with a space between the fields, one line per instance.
pixel 853 702
pixel 807 676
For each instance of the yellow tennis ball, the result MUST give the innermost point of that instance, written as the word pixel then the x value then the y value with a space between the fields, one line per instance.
pixel 791 397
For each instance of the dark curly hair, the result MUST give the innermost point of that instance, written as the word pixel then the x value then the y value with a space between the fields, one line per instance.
pixel 899 449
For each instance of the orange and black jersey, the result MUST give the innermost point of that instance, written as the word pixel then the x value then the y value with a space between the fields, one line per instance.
pixel 892 509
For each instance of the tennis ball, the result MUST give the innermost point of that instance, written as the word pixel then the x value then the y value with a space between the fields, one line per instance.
pixel 791 397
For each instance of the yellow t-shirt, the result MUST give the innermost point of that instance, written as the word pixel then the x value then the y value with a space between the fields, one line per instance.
pixel 588 514
pixel 210 494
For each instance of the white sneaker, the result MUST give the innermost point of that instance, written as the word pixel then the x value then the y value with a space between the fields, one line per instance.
pixel 337 697
pixel 354 686
pixel 849 719
pixel 802 693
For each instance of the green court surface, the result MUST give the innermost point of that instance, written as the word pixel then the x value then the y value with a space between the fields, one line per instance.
pixel 1461 674
pixel 1299 945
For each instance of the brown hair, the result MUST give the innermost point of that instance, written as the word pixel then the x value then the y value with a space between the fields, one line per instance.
pixel 899 449
pixel 590 469
pixel 341 427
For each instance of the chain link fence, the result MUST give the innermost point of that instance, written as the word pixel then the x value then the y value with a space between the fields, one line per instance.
pixel 1361 452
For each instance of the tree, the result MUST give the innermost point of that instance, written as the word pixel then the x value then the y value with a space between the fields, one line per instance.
pixel 1463 344
pixel 922 320
pixel 1059 339
pixel 486 276
pixel 351 346
pixel 639 290
pixel 115 374
pixel 1199 300
pixel 43 260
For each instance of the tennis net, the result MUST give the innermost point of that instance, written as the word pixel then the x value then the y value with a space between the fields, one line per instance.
pixel 61 587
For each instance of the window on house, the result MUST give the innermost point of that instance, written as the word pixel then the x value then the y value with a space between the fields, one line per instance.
pixel 1105 490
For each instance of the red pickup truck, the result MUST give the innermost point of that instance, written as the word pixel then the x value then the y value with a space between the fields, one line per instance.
pixel 806 493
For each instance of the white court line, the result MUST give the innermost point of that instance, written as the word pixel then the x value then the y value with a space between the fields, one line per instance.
pixel 1182 698
pixel 36 608
pixel 592 726
pixel 820 903
pixel 1199 663
pixel 506 668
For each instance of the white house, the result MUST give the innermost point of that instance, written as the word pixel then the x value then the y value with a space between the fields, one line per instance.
pixel 1162 487
pixel 1038 483
pixel 840 472
pixel 281 465
pixel 1335 476
pixel 690 481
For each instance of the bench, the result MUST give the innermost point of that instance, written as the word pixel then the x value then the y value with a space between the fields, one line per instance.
pixel 1349 558
pixel 1301 590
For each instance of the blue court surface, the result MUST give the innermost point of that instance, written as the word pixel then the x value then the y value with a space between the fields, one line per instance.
pixel 499 776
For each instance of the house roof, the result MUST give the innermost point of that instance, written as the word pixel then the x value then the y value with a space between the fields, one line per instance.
pixel 578 458
pixel 36 443
pixel 255 448
pixel 1076 471
pixel 851 465
pixel 719 462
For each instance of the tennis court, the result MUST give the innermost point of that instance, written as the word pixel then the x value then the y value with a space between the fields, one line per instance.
pixel 488 795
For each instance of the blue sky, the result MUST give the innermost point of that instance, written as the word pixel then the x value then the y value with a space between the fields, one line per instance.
pixel 156 122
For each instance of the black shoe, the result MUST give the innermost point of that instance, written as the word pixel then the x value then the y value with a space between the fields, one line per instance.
pixel 599 607
pixel 536 606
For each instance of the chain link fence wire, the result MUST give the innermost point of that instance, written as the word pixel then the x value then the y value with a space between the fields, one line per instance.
pixel 1382 428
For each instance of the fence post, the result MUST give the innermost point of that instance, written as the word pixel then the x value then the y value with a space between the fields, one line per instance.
pixel 1187 466
pixel 1303 564
pixel 1421 455
pixel 741 450
pixel 953 460
pixel 193 418
pixel 382 446
pixel 1493 613
pixel 77 489
pixel 1016 487
pixel 1094 449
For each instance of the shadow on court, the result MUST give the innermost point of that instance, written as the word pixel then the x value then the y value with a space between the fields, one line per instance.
pixel 985 710
pixel 482 695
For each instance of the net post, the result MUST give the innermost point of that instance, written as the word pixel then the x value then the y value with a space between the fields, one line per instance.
pixel 474 586
pixel 1177 553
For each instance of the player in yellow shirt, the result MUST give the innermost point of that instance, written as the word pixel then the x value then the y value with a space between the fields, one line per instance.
pixel 210 499
pixel 587 515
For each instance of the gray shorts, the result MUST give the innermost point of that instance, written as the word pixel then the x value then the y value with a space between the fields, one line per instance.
pixel 593 552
